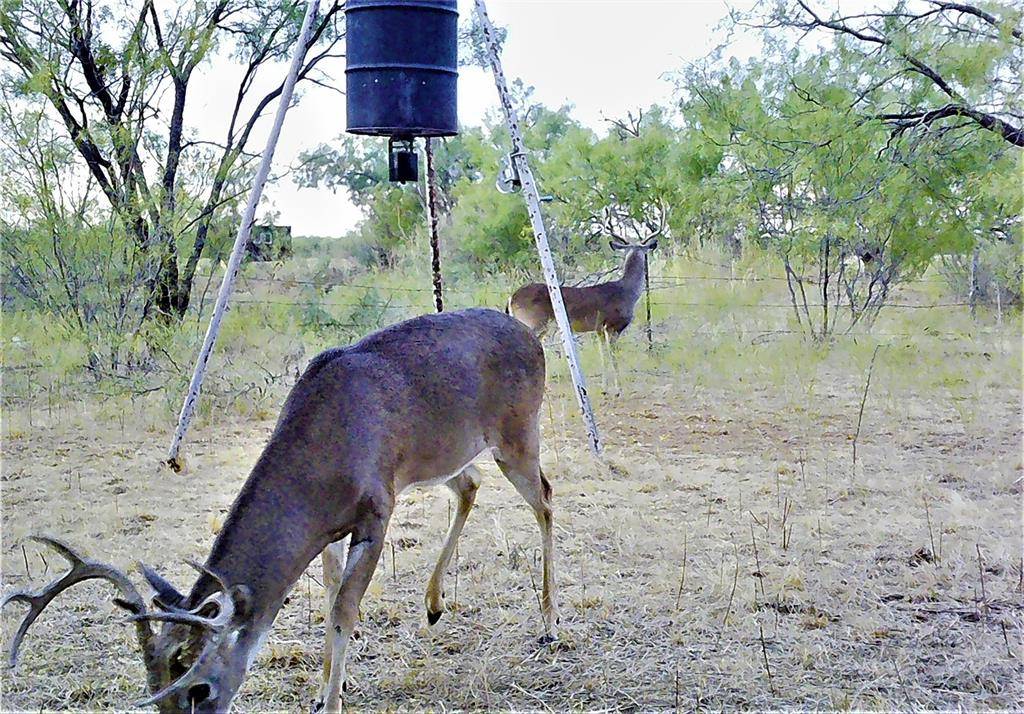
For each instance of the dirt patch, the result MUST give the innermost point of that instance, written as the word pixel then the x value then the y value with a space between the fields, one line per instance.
pixel 726 529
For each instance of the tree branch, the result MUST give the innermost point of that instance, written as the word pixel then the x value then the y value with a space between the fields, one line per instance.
pixel 976 12
pixel 909 120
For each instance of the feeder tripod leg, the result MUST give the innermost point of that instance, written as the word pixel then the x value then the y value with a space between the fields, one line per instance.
pixel 241 239
pixel 532 197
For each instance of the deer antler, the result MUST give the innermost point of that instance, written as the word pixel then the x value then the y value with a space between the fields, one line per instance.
pixel 202 569
pixel 222 600
pixel 615 221
pixel 225 611
pixel 656 226
pixel 81 569
pixel 228 601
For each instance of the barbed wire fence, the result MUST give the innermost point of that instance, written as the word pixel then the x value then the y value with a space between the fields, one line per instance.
pixel 397 302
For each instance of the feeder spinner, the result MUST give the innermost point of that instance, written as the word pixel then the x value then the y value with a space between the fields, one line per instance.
pixel 401 75
pixel 403 164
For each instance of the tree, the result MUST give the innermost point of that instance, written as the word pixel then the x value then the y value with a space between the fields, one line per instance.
pixel 493 228
pixel 394 214
pixel 57 257
pixel 842 222
pixel 117 84
pixel 626 184
pixel 851 202
pixel 923 65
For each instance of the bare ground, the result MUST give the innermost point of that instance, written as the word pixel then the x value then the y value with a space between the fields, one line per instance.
pixel 728 554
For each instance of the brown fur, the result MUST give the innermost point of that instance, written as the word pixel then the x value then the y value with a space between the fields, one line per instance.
pixel 606 307
pixel 412 404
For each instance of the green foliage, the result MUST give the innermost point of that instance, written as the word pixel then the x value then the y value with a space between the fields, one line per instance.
pixel 394 213
pixel 826 164
pixel 495 227
pixel 107 87
pixel 396 218
pixel 356 164
pixel 472 46
pixel 788 152
pixel 80 276
pixel 816 170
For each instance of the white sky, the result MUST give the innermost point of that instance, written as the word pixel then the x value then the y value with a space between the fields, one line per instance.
pixel 605 57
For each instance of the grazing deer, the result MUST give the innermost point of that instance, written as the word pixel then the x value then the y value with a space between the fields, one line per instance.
pixel 413 404
pixel 605 308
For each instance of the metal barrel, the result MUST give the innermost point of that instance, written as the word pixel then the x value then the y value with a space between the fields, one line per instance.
pixel 402 67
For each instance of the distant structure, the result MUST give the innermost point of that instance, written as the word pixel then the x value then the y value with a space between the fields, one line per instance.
pixel 267 243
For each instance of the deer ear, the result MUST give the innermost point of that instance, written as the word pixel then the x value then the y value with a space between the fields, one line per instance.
pixel 651 245
pixel 617 244
pixel 167 596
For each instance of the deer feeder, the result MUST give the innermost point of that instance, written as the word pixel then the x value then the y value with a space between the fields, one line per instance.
pixel 401 74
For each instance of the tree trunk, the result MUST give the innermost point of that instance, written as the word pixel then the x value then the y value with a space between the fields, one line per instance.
pixel 975 283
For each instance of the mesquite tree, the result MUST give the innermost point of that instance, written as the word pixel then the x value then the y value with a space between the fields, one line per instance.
pixel 922 65
pixel 115 79
pixel 837 158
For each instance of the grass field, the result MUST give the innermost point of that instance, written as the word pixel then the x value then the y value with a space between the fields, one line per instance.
pixel 727 553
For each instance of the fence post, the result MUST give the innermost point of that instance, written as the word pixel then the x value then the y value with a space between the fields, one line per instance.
pixel 974 281
pixel 530 194
pixel 241 239
pixel 435 251
pixel 647 298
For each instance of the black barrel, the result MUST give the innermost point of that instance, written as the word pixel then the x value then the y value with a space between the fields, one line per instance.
pixel 402 67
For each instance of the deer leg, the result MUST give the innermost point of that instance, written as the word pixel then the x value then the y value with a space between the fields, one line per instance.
pixel 365 546
pixel 464 486
pixel 601 344
pixel 526 475
pixel 333 559
pixel 610 341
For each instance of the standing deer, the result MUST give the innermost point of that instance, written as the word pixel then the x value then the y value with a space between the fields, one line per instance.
pixel 605 308
pixel 413 404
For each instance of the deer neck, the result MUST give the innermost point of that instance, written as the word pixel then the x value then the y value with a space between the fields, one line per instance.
pixel 268 539
pixel 633 272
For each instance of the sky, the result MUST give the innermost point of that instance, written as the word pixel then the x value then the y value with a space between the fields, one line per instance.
pixel 605 57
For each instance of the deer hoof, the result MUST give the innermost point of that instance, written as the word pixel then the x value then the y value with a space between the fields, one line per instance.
pixel 317 706
pixel 546 639
pixel 433 617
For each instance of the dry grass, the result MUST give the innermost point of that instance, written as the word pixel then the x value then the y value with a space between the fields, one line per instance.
pixel 855 587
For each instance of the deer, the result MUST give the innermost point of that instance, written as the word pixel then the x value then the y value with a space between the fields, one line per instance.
pixel 606 308
pixel 414 404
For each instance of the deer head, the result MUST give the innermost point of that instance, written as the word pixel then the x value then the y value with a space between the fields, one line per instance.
pixel 198 659
pixel 617 223
pixel 649 244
